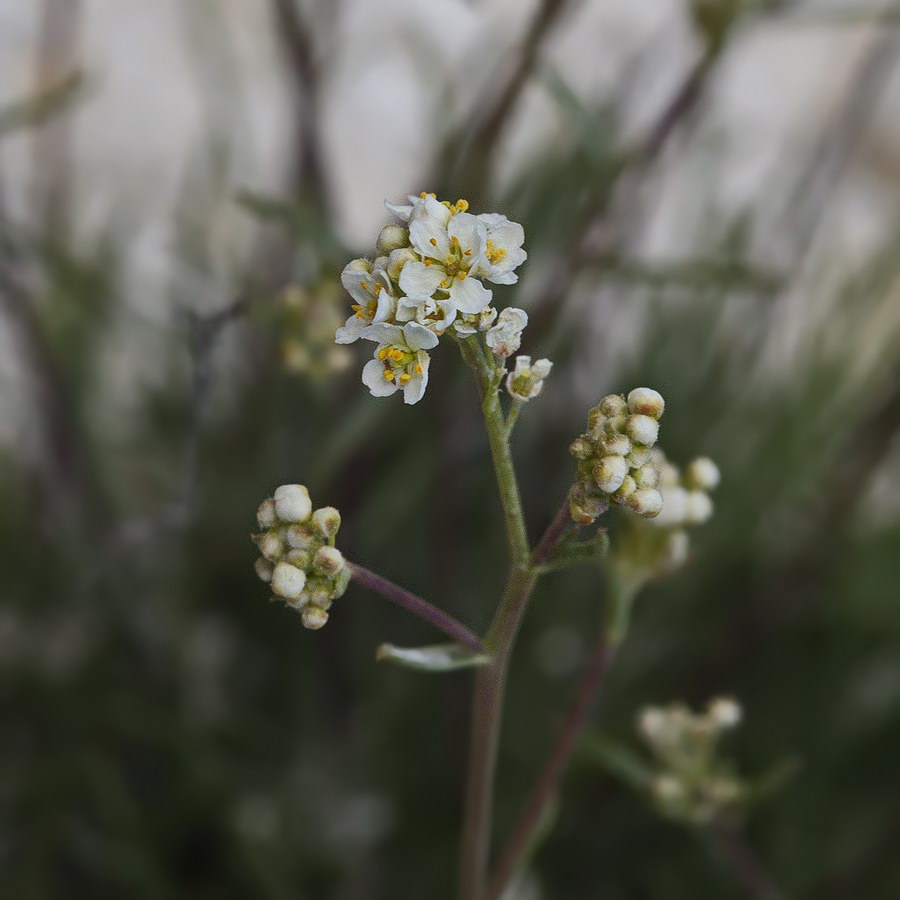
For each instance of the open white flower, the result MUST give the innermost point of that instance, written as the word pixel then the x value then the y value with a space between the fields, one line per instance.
pixel 526 380
pixel 438 315
pixel 470 323
pixel 506 336
pixel 449 246
pixel 369 286
pixel 401 361
pixel 503 249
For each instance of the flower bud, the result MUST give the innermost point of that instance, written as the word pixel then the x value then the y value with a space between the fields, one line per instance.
pixel 646 402
pixel 288 581
pixel 265 515
pixel 647 476
pixel 612 405
pixel 616 445
pixel 314 617
pixel 326 521
pixel 725 712
pixel 359 265
pixel 638 457
pixel 302 559
pixel 626 489
pixel 702 474
pixel 610 472
pixel 646 502
pixel 270 545
pixel 292 503
pixel 299 537
pixel 329 560
pixel 584 507
pixel 581 449
pixel 642 429
pixel 674 507
pixel 392 237
pixel 698 508
pixel 264 568
pixel 397 260
pixel 341 583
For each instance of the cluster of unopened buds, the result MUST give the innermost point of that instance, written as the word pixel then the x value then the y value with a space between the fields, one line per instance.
pixel 298 557
pixel 693 784
pixel 428 279
pixel 308 318
pixel 615 459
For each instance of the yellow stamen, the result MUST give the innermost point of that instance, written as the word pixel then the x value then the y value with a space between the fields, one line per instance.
pixel 462 205
pixel 423 195
pixel 429 262
pixel 419 369
pixel 445 283
pixel 388 374
pixel 433 242
pixel 454 240
pixel 462 275
pixel 378 288
pixel 364 285
pixel 493 253
pixel 396 354
pixel 355 307
pixel 383 354
pixel 405 378
pixel 468 253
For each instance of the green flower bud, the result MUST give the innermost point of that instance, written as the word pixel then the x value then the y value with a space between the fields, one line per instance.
pixel 264 569
pixel 314 617
pixel 329 560
pixel 265 515
pixel 392 237
pixel 612 405
pixel 326 521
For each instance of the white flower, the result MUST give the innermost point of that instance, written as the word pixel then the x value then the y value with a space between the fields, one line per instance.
pixel 506 336
pixel 401 362
pixel 370 287
pixel 698 508
pixel 526 381
pixel 438 315
pixel 449 249
pixel 503 249
pixel 702 474
pixel 470 323
pixel 288 581
pixel 674 507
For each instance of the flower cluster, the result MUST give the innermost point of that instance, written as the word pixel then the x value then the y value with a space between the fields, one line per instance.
pixel 299 560
pixel 692 783
pixel 615 460
pixel 428 280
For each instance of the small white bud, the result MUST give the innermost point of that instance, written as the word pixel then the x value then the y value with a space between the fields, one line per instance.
pixel 292 503
pixel 264 569
pixel 270 545
pixel 725 712
pixel 637 457
pixel 288 581
pixel 652 723
pixel 359 265
pixel 642 430
pixel 397 260
pixel 698 508
pixel 329 560
pixel 646 402
pixel 392 237
pixel 669 475
pixel 646 502
pixel 314 617
pixel 626 489
pixel 581 449
pixel 616 445
pixel 302 559
pixel 612 405
pixel 674 507
pixel 610 472
pixel 647 476
pixel 265 515
pixel 326 521
pixel 702 474
pixel 299 537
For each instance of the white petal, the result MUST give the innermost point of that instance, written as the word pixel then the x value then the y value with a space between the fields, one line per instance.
pixel 508 235
pixel 385 308
pixel 351 331
pixel 418 337
pixel 373 378
pixel 420 281
pixel 400 210
pixel 469 294
pixel 384 333
pixel 492 220
pixel 414 390
pixel 471 234
pixel 429 236
pixel 431 208
pixel 513 317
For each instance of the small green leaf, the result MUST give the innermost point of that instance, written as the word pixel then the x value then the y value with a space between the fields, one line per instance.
pixel 436 658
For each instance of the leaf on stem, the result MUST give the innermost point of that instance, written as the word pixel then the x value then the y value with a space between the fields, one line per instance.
pixel 435 658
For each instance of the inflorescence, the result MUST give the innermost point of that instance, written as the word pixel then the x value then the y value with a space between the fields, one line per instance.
pixel 426 281
pixel 299 560
pixel 615 461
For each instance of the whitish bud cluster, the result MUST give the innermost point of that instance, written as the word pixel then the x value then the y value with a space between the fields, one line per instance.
pixel 615 461
pixel 526 380
pixel 430 276
pixel 298 557
pixel 692 783
pixel 308 317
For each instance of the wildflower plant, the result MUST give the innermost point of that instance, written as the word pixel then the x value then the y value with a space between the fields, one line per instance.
pixel 430 282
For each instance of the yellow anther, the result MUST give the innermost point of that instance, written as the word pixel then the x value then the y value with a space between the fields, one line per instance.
pixel 433 242
pixel 462 205
pixel 383 353
pixel 462 275
pixel 355 307
pixel 396 354
pixel 405 378
pixel 454 240
pixel 429 262
pixel 388 374
pixel 364 285
pixel 494 253
pixel 445 283
pixel 419 369
pixel 423 195
pixel 468 253
pixel 378 288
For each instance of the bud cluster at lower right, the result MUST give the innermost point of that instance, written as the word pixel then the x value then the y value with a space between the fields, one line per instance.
pixel 615 460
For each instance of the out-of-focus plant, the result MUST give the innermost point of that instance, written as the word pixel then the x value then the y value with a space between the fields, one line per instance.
pixel 428 285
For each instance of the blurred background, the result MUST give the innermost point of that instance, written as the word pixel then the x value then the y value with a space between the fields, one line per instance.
pixel 711 197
